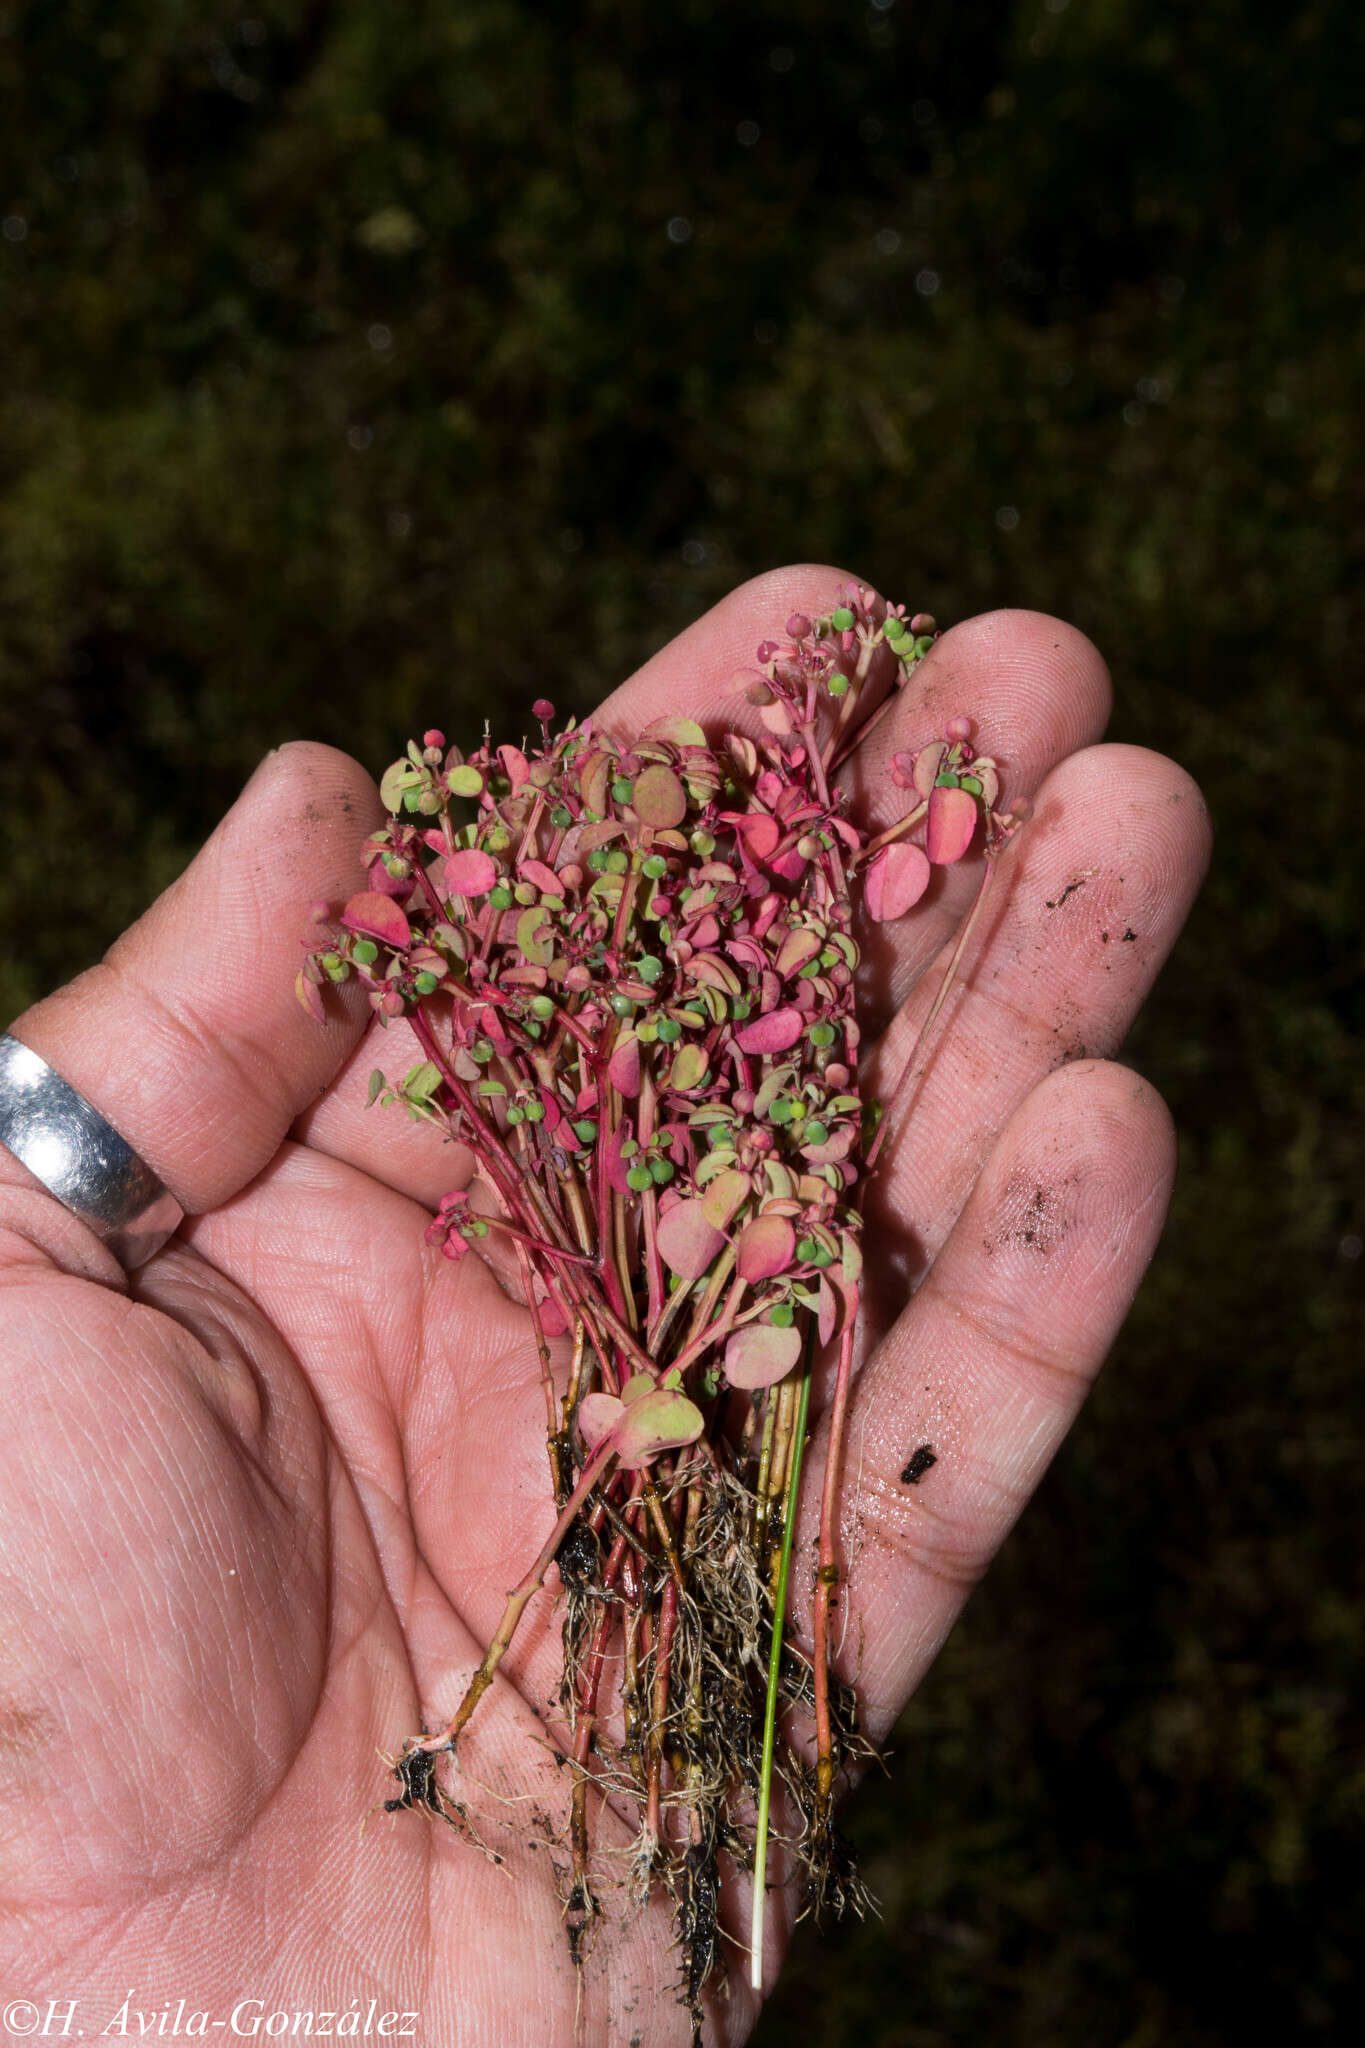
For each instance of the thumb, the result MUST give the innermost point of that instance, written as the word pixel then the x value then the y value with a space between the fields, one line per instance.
pixel 188 1036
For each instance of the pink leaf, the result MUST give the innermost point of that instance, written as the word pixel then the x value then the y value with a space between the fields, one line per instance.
pixel 382 883
pixel 715 972
pixel 378 917
pixel 554 1114
pixel 540 877
pixel 761 1354
pixel 590 837
pixel 687 1241
pixel 761 833
pixel 771 1033
pixel 515 765
pixel 470 873
pixel 766 1246
pixel 724 1195
pixel 747 952
pixel 598 1415
pixel 828 1310
pixel 952 821
pixel 594 779
pixel 743 753
pixel 624 1064
pixel 660 800
pixel 796 949
pixel 837 1146
pixel 765 913
pixel 896 880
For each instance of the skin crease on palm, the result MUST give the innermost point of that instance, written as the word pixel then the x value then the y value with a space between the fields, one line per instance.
pixel 262 1504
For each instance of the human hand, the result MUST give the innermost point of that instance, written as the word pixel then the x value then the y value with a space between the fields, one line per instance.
pixel 264 1500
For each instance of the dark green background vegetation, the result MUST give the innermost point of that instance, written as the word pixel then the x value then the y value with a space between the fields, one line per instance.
pixel 369 364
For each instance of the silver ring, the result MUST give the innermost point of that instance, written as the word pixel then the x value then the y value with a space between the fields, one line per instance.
pixel 80 1158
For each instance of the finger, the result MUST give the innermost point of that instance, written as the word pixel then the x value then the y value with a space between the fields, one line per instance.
pixel 990 1363
pixel 381 1139
pixel 188 1035
pixel 1035 690
pixel 1087 904
pixel 704 672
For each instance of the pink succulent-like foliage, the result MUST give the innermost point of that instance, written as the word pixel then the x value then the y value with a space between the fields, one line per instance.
pixel 632 975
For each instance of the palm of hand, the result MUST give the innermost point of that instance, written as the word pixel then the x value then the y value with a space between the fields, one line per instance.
pixel 262 1512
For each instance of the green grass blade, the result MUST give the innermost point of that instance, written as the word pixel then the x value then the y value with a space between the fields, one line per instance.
pixel 774 1667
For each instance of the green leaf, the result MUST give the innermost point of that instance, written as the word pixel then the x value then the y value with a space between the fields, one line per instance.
pixel 689 1068
pixel 535 937
pixel 679 732
pixel 422 1082
pixel 396 782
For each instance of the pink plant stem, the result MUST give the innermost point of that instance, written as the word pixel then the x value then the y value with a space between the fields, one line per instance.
pixel 706 1307
pixel 715 1331
pixel 571 1024
pixel 606 1200
pixel 891 834
pixel 649 1208
pixel 590 1679
pixel 668 1621
pixel 608 1321
pixel 855 738
pixel 921 1036
pixel 543 1353
pixel 488 1139
pixel 827 1573
pixel 847 714
pixel 654 1265
pixel 538 1244
pixel 658 1514
pixel 625 907
pixel 817 767
pixel 518 1599
pixel 433 897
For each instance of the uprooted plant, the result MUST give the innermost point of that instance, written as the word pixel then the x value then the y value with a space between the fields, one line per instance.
pixel 631 973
